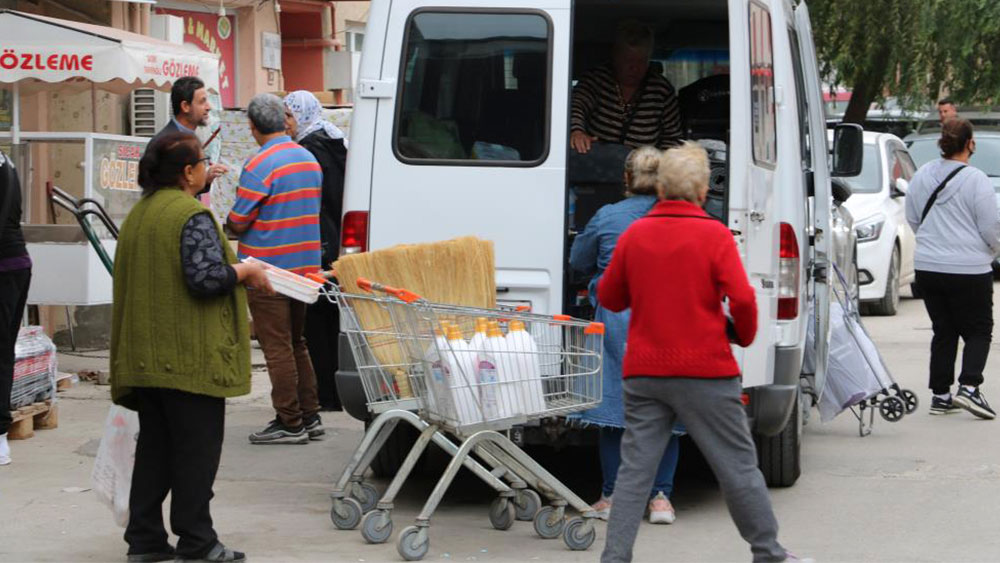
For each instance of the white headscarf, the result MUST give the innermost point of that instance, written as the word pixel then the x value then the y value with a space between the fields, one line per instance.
pixel 309 115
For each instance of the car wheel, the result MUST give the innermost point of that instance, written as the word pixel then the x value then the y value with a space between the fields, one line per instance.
pixel 889 304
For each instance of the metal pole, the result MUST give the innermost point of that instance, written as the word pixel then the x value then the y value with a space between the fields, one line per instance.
pixel 16 123
pixel 93 107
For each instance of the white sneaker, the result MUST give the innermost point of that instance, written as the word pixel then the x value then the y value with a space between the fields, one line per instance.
pixel 4 450
pixel 602 507
pixel 661 511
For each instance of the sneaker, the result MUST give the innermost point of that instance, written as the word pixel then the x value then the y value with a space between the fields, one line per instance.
pixel 4 450
pixel 974 402
pixel 602 507
pixel 660 510
pixel 278 433
pixel 314 427
pixel 220 554
pixel 943 406
pixel 792 558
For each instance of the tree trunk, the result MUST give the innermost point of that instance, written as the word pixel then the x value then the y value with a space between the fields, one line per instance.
pixel 868 84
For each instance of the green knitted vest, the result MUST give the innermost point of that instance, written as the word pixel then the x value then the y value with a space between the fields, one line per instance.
pixel 161 335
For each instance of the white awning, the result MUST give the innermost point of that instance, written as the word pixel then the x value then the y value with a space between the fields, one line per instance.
pixel 38 52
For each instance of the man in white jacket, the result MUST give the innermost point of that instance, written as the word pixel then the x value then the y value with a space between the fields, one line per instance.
pixel 952 208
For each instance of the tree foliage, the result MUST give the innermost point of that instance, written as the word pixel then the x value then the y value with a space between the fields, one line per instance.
pixel 914 50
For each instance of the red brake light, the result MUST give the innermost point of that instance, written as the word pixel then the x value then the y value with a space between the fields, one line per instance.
pixel 788 274
pixel 354 232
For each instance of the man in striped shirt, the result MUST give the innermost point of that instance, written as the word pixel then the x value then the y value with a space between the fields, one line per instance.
pixel 625 102
pixel 276 215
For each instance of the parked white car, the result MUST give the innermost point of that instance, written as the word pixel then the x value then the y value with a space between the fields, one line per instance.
pixel 878 205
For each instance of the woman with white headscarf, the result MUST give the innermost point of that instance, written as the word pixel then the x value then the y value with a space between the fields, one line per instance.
pixel 305 123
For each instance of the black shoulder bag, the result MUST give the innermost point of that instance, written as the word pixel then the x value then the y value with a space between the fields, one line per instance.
pixel 933 198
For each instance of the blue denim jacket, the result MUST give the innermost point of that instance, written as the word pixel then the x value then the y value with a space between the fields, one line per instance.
pixel 591 254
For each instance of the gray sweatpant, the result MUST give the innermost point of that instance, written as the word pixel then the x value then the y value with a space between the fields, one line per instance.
pixel 716 420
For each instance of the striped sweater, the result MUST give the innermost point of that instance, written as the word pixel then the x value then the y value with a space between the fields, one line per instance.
pixel 279 196
pixel 598 111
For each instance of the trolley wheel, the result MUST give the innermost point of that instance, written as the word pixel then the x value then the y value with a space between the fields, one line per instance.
pixel 910 398
pixel 376 526
pixel 345 513
pixel 366 495
pixel 578 535
pixel 526 505
pixel 502 513
pixel 544 524
pixel 413 543
pixel 892 409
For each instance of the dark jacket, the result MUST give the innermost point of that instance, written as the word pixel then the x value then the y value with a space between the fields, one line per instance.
pixel 332 157
pixel 11 237
pixel 171 127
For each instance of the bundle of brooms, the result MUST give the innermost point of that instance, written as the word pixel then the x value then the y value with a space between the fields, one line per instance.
pixel 458 272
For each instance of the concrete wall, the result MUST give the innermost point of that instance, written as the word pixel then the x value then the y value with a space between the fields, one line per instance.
pixel 250 23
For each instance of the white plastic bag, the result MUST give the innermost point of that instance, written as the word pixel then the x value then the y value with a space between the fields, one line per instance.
pixel 112 475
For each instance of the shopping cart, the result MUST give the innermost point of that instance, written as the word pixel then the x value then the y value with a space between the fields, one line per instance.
pixel 406 361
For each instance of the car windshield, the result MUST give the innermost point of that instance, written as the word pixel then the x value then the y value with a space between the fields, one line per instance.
pixel 868 181
pixel 987 157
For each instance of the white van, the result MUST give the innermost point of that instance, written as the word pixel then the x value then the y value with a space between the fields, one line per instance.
pixel 461 126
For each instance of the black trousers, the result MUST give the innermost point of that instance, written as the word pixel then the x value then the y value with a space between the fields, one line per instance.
pixel 13 295
pixel 322 332
pixel 180 443
pixel 960 306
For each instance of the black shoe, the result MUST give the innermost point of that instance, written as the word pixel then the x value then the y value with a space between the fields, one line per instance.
pixel 278 433
pixel 974 402
pixel 943 406
pixel 314 427
pixel 220 554
pixel 153 557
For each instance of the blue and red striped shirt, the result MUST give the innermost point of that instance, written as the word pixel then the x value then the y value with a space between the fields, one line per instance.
pixel 279 196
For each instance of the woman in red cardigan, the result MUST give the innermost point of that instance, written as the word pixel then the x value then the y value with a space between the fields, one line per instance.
pixel 674 267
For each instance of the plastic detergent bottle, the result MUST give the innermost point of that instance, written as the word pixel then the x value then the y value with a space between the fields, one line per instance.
pixel 464 387
pixel 524 354
pixel 509 397
pixel 437 386
pixel 488 375
pixel 478 341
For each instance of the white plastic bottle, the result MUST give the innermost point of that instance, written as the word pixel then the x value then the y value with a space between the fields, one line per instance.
pixel 524 354
pixel 509 396
pixel 437 384
pixel 478 341
pixel 488 374
pixel 463 378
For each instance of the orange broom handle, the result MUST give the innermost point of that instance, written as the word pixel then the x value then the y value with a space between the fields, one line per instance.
pixel 404 295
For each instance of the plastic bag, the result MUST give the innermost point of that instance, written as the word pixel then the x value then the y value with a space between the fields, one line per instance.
pixel 852 374
pixel 112 475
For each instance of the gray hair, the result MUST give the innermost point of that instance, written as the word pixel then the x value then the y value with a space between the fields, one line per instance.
pixel 267 113
pixel 642 165
pixel 631 34
pixel 684 172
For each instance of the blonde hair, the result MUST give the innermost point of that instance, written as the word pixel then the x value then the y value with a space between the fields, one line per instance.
pixel 641 167
pixel 684 172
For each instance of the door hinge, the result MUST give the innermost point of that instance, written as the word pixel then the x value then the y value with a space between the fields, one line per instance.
pixel 376 88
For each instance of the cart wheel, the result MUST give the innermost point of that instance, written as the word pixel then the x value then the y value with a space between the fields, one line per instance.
pixel 910 398
pixel 892 409
pixel 502 513
pixel 366 495
pixel 376 526
pixel 413 543
pixel 345 513
pixel 547 524
pixel 578 535
pixel 526 505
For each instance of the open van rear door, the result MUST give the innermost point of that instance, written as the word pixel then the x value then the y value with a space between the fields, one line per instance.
pixel 471 134
pixel 822 268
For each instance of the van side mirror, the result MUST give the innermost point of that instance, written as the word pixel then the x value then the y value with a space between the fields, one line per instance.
pixel 899 188
pixel 848 147
pixel 840 190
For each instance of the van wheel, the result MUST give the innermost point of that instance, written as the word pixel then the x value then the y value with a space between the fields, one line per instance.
pixel 390 458
pixel 888 305
pixel 778 457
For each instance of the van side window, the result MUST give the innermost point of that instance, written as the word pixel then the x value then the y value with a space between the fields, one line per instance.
pixel 474 89
pixel 765 139
pixel 800 97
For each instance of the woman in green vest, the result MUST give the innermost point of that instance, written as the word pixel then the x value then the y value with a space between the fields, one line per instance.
pixel 180 345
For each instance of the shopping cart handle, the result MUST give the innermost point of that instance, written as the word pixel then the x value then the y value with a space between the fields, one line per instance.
pixel 316 277
pixel 404 295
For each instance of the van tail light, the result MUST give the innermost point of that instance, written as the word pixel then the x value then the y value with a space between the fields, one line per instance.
pixel 788 274
pixel 354 232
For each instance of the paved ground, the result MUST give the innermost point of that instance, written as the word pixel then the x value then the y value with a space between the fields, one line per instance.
pixel 925 489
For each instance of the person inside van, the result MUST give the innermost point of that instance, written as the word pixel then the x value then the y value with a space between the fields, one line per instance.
pixel 625 102
pixel 590 254
pixel 679 263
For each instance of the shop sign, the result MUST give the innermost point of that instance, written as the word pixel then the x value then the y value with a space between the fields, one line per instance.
pixel 115 174
pixel 214 34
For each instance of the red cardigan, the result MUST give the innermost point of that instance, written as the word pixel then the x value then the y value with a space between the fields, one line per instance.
pixel 674 272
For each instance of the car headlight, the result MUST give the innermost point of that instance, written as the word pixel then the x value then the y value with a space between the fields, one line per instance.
pixel 870 229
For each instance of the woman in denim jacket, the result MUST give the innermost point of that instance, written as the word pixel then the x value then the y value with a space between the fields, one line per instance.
pixel 591 254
